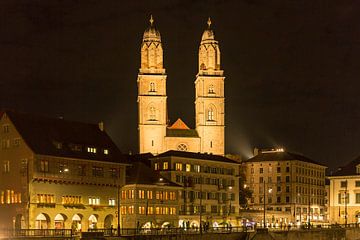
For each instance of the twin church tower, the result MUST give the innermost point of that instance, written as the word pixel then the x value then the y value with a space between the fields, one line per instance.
pixel 155 133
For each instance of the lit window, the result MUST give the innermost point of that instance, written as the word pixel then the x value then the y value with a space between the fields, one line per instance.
pixel 123 210
pixel 141 194
pixel 156 166
pixel 131 194
pixel 2 197
pixel 165 166
pixel 178 166
pixel 188 167
pixel 6 166
pixel 141 210
pixel 150 210
pixel 94 201
pixel 106 151
pixel 197 168
pixel 149 194
pixel 123 194
pixel 91 150
pixel 111 202
pixel 131 209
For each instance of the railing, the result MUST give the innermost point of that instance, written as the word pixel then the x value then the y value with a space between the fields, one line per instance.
pixel 168 231
pixel 37 233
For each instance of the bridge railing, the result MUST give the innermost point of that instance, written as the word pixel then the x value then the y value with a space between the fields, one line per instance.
pixel 167 231
pixel 37 233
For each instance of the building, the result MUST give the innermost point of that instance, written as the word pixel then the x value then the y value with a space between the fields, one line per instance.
pixel 344 199
pixel 155 133
pixel 210 186
pixel 289 186
pixel 148 199
pixel 57 173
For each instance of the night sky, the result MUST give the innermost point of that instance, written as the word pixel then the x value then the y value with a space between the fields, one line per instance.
pixel 292 67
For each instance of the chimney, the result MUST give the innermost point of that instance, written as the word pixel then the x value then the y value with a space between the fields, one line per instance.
pixel 101 126
pixel 256 151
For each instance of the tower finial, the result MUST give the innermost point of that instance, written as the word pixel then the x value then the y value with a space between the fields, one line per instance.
pixel 151 20
pixel 209 22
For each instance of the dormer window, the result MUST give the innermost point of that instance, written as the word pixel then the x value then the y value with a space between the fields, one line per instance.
pixel 6 128
pixel 58 145
pixel 91 150
pixel 106 151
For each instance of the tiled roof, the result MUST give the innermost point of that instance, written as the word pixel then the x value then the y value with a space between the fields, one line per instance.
pixel 190 133
pixel 198 156
pixel 179 124
pixel 139 173
pixel 349 169
pixel 281 156
pixel 42 134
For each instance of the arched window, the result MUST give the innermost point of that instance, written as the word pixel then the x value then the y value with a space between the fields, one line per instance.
pixel 152 113
pixel 210 115
pixel 152 87
pixel 182 147
pixel 211 89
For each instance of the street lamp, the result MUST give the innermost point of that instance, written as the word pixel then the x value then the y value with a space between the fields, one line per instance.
pixel 264 199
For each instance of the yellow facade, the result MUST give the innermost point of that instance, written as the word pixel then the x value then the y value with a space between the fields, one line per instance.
pixel 152 99
pixel 344 199
pixel 49 191
pixel 291 190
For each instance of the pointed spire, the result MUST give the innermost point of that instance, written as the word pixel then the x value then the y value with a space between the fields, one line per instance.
pixel 209 22
pixel 151 20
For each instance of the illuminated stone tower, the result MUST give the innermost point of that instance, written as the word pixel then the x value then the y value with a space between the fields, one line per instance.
pixel 152 93
pixel 209 96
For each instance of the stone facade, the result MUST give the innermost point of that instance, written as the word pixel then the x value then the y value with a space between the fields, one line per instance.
pixel 209 135
pixel 54 190
pixel 209 186
pixel 288 183
pixel 344 200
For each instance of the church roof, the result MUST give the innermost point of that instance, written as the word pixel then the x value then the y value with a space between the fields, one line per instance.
pixel 179 124
pixel 152 33
pixel 186 133
pixel 197 156
pixel 63 138
pixel 180 129
pixel 208 33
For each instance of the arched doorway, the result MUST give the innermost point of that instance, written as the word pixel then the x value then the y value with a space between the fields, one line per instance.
pixel 108 222
pixel 59 221
pixel 42 221
pixel 76 222
pixel 357 217
pixel 147 225
pixel 93 222
pixel 166 225
pixel 20 222
pixel 194 224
